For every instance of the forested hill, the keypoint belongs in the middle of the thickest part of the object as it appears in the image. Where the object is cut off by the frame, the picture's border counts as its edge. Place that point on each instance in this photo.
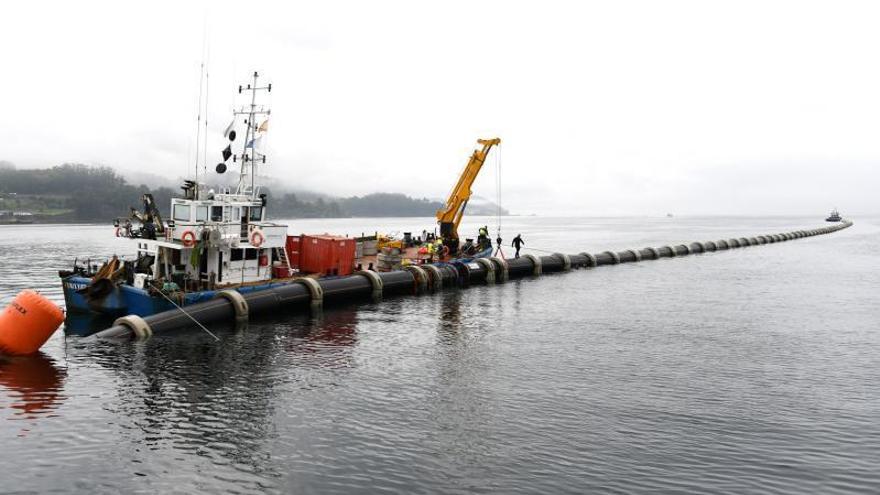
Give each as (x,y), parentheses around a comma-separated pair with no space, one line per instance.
(81,193)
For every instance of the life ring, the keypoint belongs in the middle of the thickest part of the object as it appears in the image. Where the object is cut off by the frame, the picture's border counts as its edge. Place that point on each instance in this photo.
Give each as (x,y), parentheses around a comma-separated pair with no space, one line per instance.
(257,238)
(188,238)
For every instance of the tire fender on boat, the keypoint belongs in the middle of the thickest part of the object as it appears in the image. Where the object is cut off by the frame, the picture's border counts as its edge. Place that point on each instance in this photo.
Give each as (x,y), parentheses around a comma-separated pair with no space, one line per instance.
(27,323)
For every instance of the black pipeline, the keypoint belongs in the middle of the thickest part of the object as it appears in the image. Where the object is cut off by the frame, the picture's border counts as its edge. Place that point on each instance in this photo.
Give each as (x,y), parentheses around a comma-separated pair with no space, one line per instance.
(230,305)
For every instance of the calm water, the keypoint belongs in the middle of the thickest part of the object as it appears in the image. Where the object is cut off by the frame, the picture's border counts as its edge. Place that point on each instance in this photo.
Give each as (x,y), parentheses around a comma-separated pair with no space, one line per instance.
(755,370)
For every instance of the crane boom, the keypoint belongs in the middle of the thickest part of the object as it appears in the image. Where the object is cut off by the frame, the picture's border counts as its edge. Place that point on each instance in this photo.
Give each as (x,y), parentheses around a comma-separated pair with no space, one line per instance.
(450,216)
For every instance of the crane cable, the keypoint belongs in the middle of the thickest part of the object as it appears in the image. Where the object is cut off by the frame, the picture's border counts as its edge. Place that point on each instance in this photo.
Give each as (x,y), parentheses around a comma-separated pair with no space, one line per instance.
(498,196)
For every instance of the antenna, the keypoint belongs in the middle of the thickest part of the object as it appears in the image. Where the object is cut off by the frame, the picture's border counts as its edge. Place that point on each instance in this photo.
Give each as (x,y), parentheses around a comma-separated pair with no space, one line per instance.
(199,118)
(249,160)
(205,155)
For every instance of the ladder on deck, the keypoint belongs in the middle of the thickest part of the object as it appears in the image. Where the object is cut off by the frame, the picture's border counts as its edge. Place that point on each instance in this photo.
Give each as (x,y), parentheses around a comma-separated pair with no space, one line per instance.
(281,254)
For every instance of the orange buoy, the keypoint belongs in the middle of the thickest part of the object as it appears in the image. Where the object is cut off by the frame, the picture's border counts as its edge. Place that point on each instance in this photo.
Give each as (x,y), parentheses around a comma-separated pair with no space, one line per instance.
(27,323)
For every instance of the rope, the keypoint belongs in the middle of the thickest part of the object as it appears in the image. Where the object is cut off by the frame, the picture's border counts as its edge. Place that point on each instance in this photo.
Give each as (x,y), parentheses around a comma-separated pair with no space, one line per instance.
(188,315)
(498,188)
(542,250)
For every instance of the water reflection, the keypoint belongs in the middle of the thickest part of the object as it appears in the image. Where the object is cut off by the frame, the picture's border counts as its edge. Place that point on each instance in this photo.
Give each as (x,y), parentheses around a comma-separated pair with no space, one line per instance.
(34,385)
(185,392)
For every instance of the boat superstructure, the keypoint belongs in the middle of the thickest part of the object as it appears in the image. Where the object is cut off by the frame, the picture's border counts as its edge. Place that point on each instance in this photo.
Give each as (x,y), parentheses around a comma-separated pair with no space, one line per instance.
(834,216)
(215,238)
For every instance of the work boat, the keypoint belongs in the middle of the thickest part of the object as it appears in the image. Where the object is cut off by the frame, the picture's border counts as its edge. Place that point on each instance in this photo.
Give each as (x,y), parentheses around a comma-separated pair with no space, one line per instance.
(215,239)
(834,216)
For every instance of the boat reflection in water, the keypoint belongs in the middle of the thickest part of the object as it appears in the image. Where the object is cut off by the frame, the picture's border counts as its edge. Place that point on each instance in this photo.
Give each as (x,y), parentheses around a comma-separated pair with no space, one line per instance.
(85,324)
(34,386)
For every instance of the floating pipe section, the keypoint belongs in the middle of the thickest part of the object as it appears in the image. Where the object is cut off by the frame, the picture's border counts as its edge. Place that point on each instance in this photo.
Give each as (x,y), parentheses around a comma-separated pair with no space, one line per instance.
(365,285)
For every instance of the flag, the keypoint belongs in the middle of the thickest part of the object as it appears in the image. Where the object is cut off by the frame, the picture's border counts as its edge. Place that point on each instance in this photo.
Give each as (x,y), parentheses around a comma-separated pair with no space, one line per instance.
(264,126)
(255,143)
(227,152)
(228,128)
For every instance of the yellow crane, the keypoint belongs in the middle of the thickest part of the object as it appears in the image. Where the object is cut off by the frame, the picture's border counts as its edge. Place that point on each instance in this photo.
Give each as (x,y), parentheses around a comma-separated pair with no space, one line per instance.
(450,216)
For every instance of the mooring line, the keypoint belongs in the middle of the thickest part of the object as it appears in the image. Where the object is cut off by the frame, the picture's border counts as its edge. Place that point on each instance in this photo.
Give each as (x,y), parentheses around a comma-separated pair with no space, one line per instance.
(188,315)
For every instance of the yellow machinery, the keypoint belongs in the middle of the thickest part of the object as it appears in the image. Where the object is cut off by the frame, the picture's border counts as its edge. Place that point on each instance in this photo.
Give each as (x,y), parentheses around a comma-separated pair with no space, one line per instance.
(450,216)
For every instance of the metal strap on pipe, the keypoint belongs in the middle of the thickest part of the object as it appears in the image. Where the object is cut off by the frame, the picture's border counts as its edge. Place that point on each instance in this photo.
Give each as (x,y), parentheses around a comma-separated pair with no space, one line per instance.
(136,324)
(654,253)
(375,281)
(436,282)
(699,245)
(500,270)
(566,261)
(614,257)
(489,266)
(420,276)
(637,256)
(536,263)
(687,249)
(722,244)
(591,260)
(239,305)
(316,292)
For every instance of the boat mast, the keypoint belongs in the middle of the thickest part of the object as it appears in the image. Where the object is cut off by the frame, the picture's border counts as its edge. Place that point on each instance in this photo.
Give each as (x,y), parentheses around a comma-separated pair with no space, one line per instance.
(249,161)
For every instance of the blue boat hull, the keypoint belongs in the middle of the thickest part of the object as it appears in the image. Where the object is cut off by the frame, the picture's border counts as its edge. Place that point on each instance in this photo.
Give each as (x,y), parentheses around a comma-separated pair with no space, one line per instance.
(128,300)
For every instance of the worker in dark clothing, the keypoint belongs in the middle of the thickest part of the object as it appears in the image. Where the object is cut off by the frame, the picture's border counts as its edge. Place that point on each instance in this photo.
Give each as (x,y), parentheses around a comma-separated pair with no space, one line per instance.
(517,243)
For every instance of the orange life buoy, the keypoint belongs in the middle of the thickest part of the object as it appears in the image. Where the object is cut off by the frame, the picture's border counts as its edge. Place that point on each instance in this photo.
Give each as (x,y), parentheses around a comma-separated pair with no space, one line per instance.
(27,323)
(188,238)
(257,238)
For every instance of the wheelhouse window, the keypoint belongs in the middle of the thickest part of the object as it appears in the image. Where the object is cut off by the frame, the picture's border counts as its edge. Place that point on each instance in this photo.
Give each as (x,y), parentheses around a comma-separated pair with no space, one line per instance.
(256,213)
(236,255)
(182,213)
(201,214)
(250,254)
(216,213)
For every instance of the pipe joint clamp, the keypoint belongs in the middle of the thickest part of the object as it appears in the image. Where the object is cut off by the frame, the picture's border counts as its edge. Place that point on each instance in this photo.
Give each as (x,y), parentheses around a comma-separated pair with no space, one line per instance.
(375,282)
(489,266)
(566,261)
(316,292)
(536,264)
(239,305)
(140,328)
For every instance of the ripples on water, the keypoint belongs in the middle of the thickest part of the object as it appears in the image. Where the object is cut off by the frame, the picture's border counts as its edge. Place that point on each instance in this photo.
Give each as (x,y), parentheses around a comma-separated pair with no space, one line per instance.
(753,370)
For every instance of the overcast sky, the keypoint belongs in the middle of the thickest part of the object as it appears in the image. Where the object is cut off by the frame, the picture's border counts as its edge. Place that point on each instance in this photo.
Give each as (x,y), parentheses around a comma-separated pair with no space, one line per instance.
(604,108)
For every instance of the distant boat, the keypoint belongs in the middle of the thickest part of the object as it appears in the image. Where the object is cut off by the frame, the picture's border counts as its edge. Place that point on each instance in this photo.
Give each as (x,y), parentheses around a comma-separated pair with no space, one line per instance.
(669,215)
(834,216)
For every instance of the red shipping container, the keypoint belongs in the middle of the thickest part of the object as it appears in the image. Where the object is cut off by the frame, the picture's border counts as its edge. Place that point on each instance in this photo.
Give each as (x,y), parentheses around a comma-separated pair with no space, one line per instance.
(327,255)
(294,245)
